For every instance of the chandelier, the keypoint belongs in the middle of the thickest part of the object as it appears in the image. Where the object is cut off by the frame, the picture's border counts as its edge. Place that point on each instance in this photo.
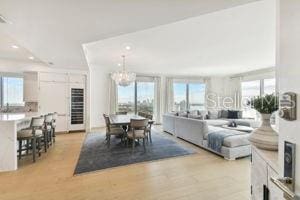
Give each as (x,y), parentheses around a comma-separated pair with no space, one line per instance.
(123,77)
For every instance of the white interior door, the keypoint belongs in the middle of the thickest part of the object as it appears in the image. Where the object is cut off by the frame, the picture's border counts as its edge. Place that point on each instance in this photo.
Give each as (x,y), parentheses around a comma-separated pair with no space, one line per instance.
(53,97)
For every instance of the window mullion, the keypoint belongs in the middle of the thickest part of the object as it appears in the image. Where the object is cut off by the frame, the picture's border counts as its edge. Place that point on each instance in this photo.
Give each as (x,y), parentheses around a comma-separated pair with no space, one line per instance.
(187,97)
(1,88)
(135,97)
(262,87)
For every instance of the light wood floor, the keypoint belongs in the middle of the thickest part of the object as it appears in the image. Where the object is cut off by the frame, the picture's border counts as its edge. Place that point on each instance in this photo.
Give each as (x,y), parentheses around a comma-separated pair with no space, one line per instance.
(196,177)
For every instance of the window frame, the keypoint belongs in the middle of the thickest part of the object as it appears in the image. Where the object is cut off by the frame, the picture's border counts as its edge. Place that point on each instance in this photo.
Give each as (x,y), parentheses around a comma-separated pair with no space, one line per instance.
(2,90)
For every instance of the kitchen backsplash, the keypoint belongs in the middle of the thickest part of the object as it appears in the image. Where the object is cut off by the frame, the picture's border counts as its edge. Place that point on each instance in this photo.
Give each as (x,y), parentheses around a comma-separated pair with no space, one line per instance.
(28,107)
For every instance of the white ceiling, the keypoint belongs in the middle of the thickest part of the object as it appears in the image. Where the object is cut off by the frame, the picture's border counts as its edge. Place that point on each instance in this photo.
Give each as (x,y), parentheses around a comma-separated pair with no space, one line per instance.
(8,52)
(226,42)
(54,30)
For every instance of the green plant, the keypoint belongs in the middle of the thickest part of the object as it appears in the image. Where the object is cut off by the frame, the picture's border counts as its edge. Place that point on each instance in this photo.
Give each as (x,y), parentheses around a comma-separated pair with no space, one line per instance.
(265,104)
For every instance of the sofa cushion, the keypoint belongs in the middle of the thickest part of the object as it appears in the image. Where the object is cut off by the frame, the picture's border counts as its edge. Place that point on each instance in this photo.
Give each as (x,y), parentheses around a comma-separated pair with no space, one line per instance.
(217,122)
(193,112)
(241,139)
(200,117)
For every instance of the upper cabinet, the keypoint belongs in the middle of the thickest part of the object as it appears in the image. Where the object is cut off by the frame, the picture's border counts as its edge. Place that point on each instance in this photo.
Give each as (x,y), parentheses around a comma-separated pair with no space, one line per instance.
(54,77)
(76,78)
(31,87)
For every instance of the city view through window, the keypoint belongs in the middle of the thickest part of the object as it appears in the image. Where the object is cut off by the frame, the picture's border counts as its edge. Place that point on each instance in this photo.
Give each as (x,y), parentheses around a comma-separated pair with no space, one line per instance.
(189,96)
(137,97)
(251,89)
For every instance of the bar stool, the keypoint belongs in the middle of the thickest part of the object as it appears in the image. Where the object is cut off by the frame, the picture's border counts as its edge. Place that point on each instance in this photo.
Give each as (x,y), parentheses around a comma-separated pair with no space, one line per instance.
(32,136)
(54,118)
(48,128)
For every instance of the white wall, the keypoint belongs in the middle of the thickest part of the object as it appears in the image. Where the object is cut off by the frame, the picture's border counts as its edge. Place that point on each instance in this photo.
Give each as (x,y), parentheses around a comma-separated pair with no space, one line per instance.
(99,91)
(224,91)
(288,73)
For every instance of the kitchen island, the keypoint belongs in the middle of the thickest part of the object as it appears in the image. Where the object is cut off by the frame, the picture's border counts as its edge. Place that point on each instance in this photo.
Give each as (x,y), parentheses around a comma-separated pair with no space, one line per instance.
(10,123)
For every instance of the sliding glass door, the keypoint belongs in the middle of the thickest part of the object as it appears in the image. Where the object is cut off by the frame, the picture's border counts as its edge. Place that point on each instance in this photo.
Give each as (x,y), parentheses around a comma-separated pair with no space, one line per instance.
(145,97)
(180,96)
(126,99)
(138,97)
(196,96)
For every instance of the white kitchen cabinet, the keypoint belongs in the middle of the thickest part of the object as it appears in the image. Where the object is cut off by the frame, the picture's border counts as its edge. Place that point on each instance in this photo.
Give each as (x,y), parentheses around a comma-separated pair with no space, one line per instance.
(31,87)
(53,77)
(76,78)
(275,193)
(53,98)
(264,165)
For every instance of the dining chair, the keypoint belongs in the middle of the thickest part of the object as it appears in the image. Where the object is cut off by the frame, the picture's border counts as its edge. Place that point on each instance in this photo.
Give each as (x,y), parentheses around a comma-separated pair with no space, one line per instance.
(48,128)
(33,136)
(53,124)
(149,127)
(138,131)
(142,114)
(112,130)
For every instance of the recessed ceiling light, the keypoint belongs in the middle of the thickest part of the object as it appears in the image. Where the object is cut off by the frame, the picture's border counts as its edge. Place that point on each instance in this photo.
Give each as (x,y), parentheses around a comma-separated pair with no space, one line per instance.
(119,64)
(31,57)
(15,46)
(127,47)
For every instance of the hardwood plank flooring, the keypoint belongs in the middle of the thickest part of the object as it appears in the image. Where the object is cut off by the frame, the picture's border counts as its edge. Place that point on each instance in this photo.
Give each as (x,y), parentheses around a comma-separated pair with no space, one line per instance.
(195,177)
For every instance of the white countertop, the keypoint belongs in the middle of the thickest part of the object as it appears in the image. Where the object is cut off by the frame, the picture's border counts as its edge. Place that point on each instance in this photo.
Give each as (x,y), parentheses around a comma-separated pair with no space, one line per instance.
(17,116)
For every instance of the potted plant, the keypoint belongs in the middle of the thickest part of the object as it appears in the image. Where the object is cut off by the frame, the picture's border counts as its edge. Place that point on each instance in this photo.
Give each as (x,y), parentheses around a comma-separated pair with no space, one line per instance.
(265,137)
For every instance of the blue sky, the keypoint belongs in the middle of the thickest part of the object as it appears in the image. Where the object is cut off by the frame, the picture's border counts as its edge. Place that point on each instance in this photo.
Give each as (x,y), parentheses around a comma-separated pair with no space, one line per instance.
(196,92)
(146,91)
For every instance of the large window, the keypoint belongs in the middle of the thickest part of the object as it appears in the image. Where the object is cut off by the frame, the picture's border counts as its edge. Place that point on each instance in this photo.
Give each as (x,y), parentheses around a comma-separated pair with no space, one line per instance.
(251,89)
(126,99)
(11,91)
(145,97)
(196,96)
(269,86)
(180,96)
(188,96)
(138,97)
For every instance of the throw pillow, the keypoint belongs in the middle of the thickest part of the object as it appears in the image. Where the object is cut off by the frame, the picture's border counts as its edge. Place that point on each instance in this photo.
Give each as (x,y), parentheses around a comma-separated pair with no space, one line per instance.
(203,113)
(240,114)
(224,114)
(213,114)
(232,114)
(193,112)
(183,114)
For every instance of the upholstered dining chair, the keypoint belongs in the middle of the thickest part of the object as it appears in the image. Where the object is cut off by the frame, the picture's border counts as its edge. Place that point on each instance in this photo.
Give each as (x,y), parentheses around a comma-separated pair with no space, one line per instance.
(142,114)
(112,130)
(149,127)
(33,136)
(138,131)
(48,128)
(53,124)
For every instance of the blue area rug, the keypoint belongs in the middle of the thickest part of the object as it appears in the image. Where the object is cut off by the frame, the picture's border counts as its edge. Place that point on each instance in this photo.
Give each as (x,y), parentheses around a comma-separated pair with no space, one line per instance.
(95,155)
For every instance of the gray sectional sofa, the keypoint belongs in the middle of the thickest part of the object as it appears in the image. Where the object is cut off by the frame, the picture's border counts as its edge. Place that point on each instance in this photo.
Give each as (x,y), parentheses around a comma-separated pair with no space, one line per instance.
(197,131)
